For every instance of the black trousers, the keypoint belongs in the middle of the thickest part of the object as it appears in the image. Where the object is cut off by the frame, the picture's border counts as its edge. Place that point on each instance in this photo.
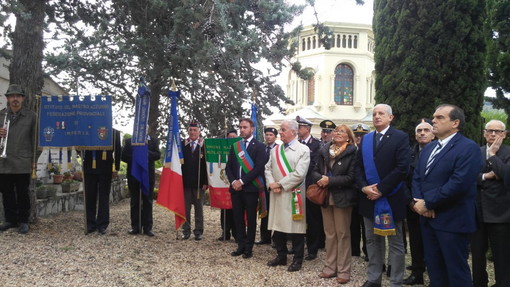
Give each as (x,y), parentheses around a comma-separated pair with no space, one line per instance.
(97,193)
(245,203)
(315,237)
(145,214)
(15,197)
(227,223)
(415,241)
(298,245)
(497,235)
(358,233)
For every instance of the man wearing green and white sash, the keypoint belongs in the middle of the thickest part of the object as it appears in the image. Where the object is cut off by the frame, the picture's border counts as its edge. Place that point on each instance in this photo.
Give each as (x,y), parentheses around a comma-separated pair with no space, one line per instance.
(285,175)
(245,172)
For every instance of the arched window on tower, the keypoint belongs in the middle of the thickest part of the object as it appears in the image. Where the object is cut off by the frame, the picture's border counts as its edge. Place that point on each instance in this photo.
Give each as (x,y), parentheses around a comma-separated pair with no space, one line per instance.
(303,47)
(310,91)
(308,43)
(344,88)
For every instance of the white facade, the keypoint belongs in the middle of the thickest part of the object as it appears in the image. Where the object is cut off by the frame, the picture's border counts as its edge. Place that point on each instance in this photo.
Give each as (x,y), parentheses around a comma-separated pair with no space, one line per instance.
(315,98)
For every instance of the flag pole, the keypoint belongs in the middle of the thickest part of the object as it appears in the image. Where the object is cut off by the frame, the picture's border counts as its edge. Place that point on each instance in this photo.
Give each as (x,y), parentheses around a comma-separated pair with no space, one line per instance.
(173,88)
(224,211)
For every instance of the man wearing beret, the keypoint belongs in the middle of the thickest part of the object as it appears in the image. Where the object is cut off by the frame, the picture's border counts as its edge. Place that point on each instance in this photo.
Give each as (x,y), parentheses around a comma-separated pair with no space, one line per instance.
(194,176)
(315,237)
(265,234)
(17,126)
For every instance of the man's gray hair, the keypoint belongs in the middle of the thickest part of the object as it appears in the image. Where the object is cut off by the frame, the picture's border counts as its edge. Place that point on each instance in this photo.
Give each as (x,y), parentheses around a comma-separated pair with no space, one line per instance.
(495,121)
(387,107)
(292,124)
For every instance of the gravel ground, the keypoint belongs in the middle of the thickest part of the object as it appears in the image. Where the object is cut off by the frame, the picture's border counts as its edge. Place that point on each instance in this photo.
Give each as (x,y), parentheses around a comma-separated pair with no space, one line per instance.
(57,253)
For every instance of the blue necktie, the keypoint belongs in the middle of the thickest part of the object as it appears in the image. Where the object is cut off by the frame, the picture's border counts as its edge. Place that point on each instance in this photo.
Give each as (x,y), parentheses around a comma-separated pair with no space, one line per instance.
(378,137)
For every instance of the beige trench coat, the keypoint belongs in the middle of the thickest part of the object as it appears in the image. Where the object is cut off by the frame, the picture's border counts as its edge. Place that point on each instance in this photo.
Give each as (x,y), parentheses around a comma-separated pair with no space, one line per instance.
(280,209)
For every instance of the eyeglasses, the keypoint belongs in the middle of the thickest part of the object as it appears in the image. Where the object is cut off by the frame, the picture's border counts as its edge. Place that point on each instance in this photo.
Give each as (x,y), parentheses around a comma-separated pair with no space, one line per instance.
(498,132)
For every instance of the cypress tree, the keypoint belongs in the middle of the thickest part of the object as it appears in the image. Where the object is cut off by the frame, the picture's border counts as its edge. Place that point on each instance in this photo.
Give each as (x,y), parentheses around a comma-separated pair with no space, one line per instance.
(429,53)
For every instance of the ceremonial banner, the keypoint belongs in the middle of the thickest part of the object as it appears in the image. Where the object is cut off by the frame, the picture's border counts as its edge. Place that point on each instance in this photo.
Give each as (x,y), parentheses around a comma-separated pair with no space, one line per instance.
(254,118)
(216,155)
(171,189)
(83,122)
(140,161)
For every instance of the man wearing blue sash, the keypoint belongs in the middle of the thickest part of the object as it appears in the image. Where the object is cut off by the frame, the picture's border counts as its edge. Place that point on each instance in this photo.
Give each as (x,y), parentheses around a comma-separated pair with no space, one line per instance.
(383,164)
(245,171)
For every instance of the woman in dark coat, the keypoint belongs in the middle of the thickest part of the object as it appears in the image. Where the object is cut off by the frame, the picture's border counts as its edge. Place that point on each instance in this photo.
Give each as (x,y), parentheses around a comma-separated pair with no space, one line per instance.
(335,170)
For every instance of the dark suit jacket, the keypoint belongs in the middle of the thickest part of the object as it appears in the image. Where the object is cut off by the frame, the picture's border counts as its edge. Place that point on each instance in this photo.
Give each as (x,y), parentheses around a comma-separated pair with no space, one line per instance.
(493,199)
(190,166)
(341,182)
(315,146)
(450,186)
(257,152)
(104,166)
(154,155)
(392,158)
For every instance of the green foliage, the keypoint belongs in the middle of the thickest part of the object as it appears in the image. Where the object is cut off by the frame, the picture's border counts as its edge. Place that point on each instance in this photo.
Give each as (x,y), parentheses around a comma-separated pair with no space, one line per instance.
(210,48)
(498,56)
(492,114)
(429,53)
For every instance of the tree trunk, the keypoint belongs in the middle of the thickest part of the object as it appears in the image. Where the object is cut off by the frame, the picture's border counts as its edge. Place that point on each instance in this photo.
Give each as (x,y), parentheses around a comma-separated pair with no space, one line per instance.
(26,65)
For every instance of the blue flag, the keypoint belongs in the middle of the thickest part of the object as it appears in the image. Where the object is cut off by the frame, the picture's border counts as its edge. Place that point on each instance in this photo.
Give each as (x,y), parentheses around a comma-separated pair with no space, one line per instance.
(140,148)
(254,118)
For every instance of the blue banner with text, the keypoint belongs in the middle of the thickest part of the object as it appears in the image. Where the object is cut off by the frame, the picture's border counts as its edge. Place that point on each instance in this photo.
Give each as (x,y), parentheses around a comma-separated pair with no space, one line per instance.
(83,122)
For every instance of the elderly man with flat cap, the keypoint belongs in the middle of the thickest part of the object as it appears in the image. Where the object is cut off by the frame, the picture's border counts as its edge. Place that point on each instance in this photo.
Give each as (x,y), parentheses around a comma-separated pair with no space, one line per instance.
(17,127)
(315,237)
(265,234)
(326,133)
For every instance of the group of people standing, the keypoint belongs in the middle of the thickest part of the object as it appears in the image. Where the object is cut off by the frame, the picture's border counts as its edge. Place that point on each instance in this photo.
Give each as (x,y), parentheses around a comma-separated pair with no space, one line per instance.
(453,193)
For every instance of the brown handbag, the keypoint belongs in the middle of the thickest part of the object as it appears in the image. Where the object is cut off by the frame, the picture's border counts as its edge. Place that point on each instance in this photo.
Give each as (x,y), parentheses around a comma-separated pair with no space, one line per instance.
(317,194)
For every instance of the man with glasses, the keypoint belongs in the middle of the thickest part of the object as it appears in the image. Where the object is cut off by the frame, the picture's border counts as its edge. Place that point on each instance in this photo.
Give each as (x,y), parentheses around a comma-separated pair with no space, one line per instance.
(493,214)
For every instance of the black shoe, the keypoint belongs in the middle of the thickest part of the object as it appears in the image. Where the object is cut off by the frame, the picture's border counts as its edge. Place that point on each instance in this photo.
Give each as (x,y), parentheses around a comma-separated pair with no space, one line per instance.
(370,284)
(247,254)
(414,279)
(149,233)
(310,257)
(410,268)
(226,238)
(295,266)
(23,228)
(277,261)
(198,237)
(238,252)
(6,226)
(134,231)
(185,236)
(101,231)
(262,242)
(90,230)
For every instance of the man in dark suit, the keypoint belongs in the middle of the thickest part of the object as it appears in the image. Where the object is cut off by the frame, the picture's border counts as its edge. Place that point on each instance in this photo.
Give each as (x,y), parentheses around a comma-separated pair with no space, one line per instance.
(444,191)
(194,177)
(99,167)
(423,135)
(245,172)
(493,212)
(315,237)
(270,142)
(135,191)
(383,164)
